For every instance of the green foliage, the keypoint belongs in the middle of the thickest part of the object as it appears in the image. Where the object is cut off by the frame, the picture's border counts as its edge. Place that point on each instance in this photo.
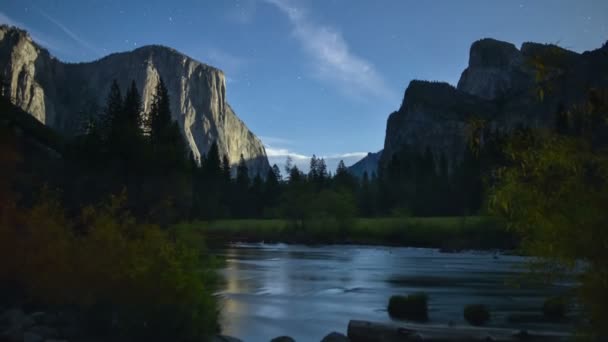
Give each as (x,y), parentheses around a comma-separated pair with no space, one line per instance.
(126,279)
(476,314)
(555,308)
(413,307)
(458,233)
(554,194)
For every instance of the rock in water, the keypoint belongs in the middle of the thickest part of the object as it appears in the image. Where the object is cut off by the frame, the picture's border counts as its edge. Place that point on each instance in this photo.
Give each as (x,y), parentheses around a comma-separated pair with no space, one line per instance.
(63,95)
(283,339)
(335,337)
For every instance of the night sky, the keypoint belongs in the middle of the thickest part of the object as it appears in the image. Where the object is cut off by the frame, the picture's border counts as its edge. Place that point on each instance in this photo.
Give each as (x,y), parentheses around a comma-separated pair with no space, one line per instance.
(311,76)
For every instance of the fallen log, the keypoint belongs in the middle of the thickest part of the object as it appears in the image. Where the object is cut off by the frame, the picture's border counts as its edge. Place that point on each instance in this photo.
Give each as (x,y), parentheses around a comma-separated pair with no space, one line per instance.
(363,331)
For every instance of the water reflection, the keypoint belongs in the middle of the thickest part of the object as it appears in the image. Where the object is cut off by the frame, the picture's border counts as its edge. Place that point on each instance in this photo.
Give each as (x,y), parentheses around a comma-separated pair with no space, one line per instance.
(307,292)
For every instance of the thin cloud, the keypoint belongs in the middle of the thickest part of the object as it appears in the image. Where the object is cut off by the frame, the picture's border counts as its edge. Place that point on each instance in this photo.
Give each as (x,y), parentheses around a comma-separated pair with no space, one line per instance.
(73,35)
(242,12)
(333,60)
(36,36)
(273,141)
(284,153)
(224,60)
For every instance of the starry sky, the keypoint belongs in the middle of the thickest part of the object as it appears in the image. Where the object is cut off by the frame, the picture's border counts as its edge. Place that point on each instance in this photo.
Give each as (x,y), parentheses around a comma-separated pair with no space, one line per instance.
(311,76)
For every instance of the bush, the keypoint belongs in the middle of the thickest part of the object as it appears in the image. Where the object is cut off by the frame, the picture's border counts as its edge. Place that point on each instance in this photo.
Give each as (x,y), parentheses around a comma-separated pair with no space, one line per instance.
(554,308)
(476,314)
(413,307)
(126,280)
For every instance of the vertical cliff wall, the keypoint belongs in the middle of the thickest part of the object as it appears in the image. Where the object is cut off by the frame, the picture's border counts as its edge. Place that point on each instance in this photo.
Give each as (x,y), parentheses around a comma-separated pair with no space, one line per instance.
(60,95)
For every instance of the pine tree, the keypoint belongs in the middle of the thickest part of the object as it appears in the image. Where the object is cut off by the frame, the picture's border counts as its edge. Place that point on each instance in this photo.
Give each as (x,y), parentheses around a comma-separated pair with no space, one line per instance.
(159,118)
(242,175)
(132,109)
(113,113)
(277,172)
(226,169)
(213,166)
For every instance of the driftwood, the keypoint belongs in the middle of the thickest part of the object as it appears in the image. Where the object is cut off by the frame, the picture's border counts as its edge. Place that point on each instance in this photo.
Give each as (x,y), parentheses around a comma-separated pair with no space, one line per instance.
(362,331)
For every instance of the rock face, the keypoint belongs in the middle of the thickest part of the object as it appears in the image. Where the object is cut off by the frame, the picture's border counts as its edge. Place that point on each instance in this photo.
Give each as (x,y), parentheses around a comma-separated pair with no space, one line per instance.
(502,88)
(368,164)
(61,95)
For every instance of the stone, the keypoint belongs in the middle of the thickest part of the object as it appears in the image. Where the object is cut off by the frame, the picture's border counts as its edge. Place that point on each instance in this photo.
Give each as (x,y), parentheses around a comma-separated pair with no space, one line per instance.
(224,338)
(32,337)
(16,318)
(44,331)
(335,337)
(55,92)
(38,317)
(283,339)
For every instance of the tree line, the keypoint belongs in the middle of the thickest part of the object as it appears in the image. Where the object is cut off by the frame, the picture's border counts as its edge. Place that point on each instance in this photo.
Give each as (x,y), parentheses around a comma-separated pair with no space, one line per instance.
(144,154)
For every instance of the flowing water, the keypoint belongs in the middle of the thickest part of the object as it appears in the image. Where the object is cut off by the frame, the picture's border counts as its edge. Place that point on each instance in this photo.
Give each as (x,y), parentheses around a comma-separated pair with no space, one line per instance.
(306,292)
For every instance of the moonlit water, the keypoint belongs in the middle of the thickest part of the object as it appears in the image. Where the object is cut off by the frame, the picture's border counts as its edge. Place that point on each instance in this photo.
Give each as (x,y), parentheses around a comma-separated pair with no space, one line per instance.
(306,292)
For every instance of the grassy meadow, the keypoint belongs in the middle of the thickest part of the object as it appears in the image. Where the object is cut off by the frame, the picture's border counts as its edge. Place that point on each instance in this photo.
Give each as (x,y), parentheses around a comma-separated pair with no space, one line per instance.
(448,233)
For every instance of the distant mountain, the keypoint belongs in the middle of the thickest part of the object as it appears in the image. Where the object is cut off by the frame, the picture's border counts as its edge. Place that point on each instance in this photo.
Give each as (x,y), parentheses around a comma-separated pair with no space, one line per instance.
(62,95)
(368,164)
(503,87)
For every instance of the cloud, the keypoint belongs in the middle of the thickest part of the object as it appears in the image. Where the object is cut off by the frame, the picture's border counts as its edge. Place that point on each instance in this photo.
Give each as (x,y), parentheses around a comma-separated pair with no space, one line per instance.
(36,36)
(224,60)
(333,60)
(74,36)
(242,11)
(284,153)
(278,155)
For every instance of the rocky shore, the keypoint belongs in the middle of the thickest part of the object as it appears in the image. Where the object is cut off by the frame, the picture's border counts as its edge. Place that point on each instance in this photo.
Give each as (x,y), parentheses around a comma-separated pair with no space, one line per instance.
(19,326)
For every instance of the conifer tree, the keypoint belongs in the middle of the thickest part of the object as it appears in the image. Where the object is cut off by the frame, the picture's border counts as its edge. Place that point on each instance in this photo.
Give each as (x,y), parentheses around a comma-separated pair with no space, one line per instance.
(242,175)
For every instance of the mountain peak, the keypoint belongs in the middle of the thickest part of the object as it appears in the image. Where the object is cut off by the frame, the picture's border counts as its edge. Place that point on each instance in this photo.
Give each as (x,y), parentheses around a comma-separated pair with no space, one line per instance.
(58,94)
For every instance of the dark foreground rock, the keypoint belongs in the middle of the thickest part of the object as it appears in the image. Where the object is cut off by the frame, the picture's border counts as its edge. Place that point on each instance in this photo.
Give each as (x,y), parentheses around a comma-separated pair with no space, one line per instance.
(335,337)
(283,339)
(18,326)
(362,331)
(224,338)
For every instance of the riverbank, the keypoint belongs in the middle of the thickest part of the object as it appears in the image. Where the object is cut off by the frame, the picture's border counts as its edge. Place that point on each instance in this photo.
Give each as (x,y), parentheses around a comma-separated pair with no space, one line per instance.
(446,233)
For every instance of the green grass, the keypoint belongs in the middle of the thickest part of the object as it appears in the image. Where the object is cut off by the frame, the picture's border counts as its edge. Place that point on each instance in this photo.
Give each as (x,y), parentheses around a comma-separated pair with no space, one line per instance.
(449,233)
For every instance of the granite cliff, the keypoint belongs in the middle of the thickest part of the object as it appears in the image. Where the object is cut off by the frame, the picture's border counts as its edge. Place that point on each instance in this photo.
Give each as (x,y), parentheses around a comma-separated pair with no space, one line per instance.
(501,87)
(368,164)
(60,95)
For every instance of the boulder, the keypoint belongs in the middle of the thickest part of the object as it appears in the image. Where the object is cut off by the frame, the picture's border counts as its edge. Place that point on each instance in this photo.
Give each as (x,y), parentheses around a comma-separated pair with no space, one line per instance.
(224,338)
(47,332)
(39,317)
(16,318)
(476,314)
(32,337)
(335,337)
(413,307)
(283,339)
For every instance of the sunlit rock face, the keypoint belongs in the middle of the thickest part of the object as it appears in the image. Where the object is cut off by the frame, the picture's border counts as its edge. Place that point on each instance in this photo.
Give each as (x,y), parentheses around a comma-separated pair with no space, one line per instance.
(63,95)
(502,88)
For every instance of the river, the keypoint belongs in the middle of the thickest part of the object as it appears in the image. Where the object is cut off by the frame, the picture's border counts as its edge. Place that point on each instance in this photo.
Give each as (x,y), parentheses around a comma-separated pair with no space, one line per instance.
(308,291)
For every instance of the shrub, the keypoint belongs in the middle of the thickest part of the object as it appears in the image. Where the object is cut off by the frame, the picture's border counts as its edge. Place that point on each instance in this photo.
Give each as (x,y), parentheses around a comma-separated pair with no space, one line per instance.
(127,280)
(413,307)
(554,308)
(476,314)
